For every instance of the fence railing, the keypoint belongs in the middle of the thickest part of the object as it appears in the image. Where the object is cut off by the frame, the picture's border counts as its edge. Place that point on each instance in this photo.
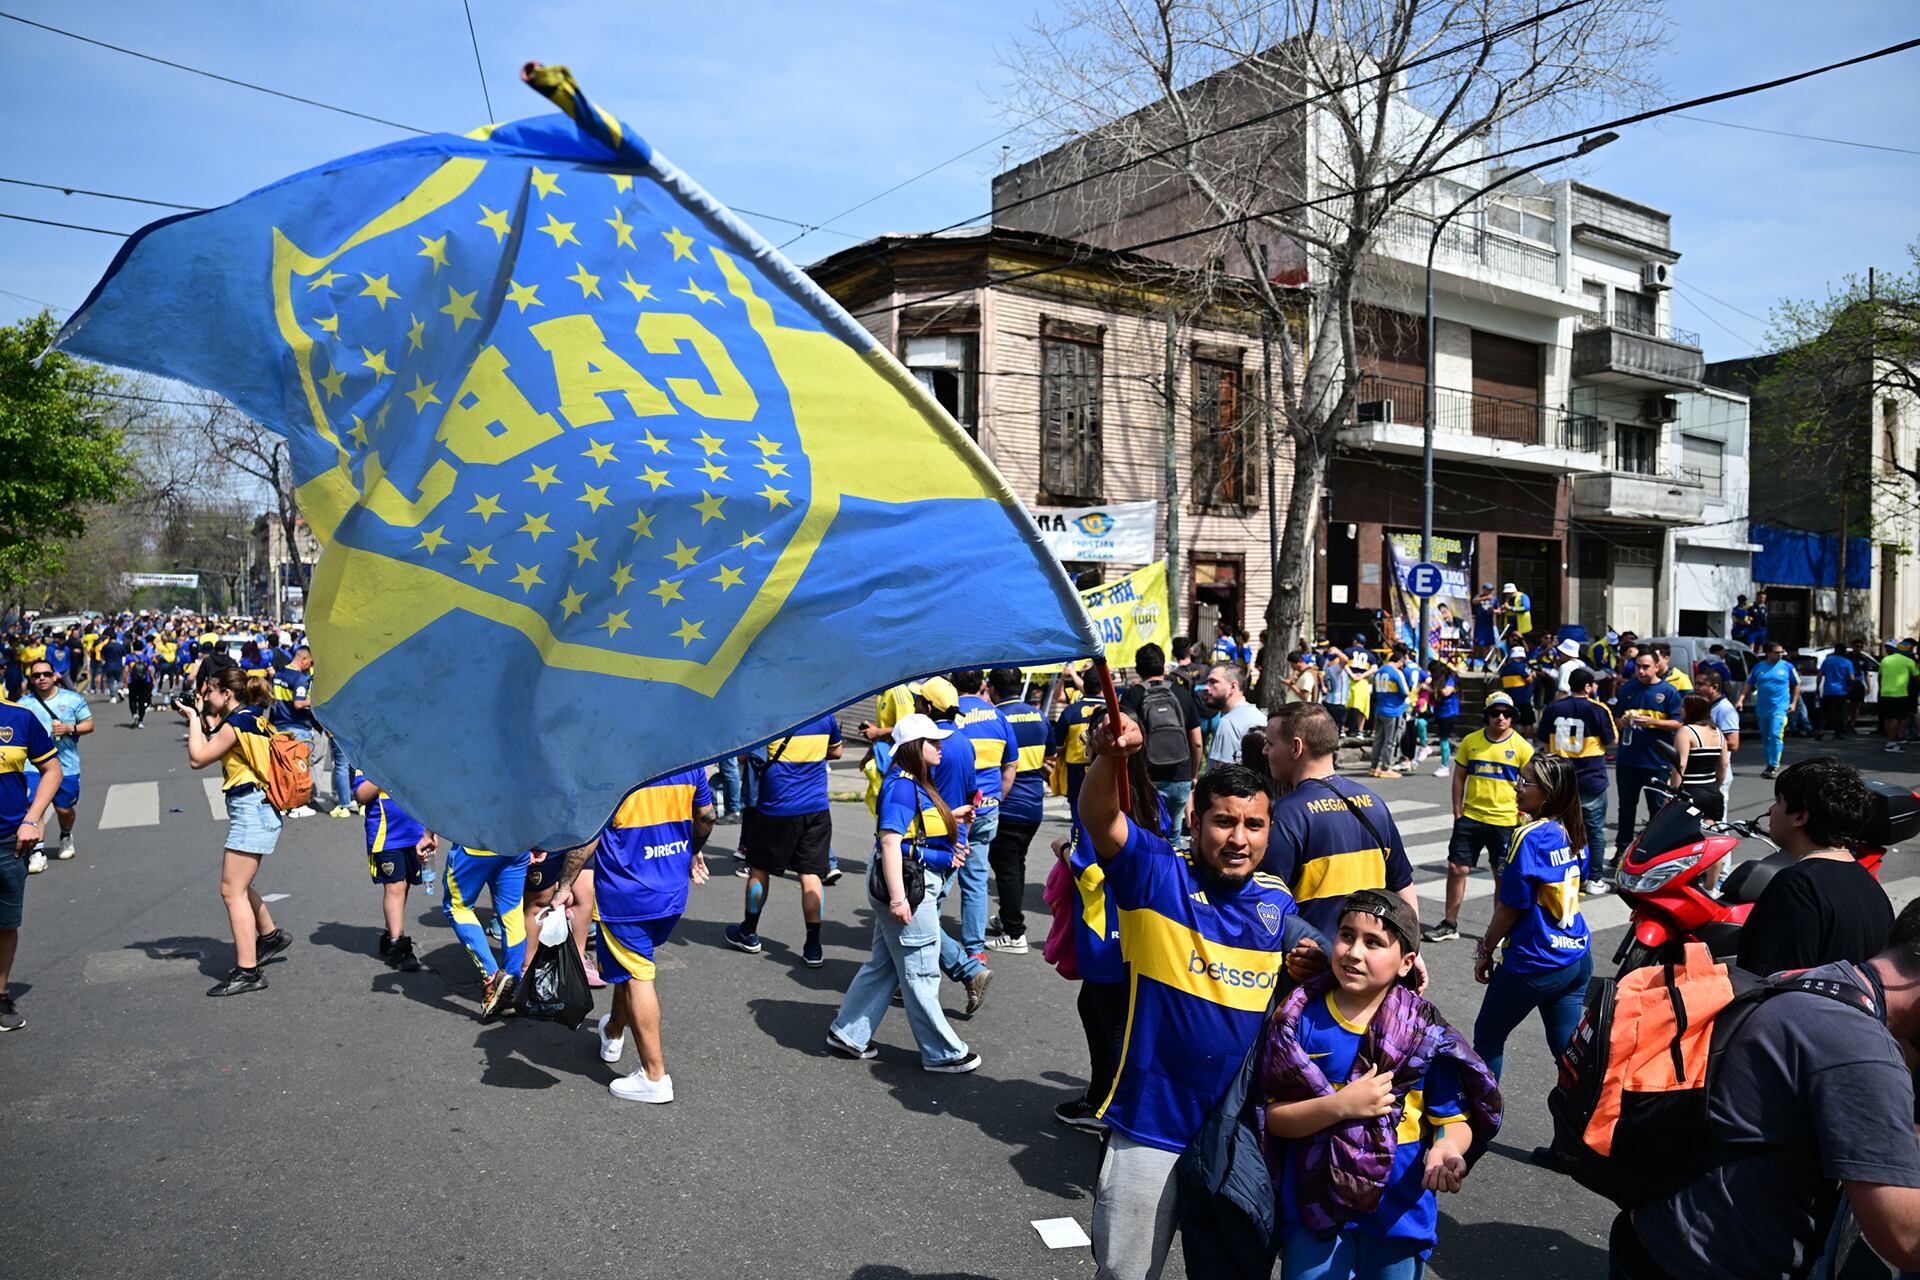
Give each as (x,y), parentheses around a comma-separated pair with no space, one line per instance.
(1635,322)
(1471,413)
(1463,239)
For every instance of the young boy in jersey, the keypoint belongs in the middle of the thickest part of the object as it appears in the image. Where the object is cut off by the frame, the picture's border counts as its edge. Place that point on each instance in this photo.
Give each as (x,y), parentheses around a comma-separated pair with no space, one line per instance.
(397,850)
(1373,1104)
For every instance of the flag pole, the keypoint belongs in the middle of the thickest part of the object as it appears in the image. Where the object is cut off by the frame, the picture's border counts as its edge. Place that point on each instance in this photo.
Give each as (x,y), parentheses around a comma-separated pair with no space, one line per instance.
(1113,719)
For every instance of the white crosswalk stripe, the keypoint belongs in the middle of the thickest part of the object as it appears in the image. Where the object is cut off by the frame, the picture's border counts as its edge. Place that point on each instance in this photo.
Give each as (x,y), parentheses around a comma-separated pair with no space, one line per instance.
(1422,826)
(131,804)
(216,800)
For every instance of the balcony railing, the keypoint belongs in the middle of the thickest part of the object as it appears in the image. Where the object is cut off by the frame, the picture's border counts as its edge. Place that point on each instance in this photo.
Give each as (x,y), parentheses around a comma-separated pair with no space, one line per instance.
(1463,240)
(1488,417)
(1635,322)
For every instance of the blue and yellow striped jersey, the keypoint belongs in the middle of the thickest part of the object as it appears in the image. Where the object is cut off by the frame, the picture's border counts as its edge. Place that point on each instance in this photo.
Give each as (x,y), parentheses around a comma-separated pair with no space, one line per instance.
(249,761)
(645,860)
(1492,769)
(1027,801)
(1203,967)
(388,825)
(795,781)
(994,745)
(1542,878)
(1320,848)
(23,741)
(907,810)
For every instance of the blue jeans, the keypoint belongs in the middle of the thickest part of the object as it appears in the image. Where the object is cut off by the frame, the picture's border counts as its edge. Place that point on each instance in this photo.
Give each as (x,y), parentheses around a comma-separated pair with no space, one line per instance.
(730,800)
(961,960)
(1175,796)
(908,957)
(1346,1254)
(342,772)
(1558,994)
(1593,811)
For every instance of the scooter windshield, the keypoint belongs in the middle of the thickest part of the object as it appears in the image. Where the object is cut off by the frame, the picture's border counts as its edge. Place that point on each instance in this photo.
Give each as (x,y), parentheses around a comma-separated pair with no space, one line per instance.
(1675,826)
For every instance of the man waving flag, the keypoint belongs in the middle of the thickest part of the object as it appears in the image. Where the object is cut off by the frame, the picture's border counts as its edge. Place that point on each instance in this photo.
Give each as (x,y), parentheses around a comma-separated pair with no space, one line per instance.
(605,485)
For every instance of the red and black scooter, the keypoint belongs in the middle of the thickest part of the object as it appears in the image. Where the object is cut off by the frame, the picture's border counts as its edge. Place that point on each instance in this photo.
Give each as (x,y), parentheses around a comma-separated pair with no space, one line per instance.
(1662,872)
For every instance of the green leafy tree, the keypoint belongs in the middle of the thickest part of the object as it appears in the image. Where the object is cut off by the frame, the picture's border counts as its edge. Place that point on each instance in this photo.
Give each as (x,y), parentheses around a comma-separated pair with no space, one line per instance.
(60,453)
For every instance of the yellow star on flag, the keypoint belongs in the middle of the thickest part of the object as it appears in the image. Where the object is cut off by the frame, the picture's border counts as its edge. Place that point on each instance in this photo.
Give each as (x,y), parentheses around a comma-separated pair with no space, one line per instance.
(727,578)
(562,232)
(588,282)
(622,181)
(709,507)
(582,548)
(688,632)
(622,229)
(776,498)
(622,578)
(529,576)
(655,443)
(376,361)
(712,470)
(378,289)
(422,394)
(682,555)
(416,333)
(533,526)
(323,281)
(668,591)
(764,445)
(542,476)
(380,418)
(331,324)
(431,540)
(522,295)
(642,525)
(771,467)
(598,452)
(484,507)
(434,249)
(359,432)
(460,307)
(333,382)
(570,603)
(479,557)
(615,624)
(695,291)
(640,292)
(749,540)
(548,184)
(657,479)
(682,244)
(710,443)
(496,222)
(595,497)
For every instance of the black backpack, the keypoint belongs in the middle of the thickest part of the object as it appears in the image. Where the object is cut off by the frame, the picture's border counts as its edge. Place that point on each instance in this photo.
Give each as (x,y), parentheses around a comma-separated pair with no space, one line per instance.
(1163,721)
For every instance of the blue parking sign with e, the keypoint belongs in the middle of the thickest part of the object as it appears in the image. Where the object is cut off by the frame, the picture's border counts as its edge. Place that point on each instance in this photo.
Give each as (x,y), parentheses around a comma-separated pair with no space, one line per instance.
(1423,579)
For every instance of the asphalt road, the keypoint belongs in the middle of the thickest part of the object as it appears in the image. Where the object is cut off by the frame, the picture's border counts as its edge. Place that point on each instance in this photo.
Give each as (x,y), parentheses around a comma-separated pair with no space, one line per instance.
(353,1121)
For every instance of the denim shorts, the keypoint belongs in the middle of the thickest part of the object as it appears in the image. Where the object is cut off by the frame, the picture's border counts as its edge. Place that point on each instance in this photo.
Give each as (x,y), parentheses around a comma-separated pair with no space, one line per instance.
(13,885)
(252,824)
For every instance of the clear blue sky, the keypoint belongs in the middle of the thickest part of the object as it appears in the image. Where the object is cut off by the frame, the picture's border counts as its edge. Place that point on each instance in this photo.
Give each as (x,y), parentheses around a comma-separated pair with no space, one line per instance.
(799,111)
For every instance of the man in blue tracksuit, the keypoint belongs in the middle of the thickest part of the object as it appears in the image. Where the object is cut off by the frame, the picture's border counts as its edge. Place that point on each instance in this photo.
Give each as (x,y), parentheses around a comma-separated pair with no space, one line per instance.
(1647,710)
(1775,687)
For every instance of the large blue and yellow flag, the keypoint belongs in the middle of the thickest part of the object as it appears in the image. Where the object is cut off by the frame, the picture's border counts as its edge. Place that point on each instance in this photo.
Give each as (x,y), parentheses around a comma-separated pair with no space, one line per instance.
(606,486)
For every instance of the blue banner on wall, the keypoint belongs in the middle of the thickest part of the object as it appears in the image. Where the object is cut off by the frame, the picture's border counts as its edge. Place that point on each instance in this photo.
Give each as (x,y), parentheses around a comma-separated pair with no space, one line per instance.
(1791,558)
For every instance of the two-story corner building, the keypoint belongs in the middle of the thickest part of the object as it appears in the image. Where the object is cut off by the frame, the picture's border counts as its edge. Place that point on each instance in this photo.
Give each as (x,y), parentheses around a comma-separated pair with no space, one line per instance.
(1060,378)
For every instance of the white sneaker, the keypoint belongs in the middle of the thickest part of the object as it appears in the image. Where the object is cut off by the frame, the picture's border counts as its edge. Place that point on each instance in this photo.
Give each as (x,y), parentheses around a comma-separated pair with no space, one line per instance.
(610,1047)
(637,1088)
(1891,746)
(1012,946)
(1442,772)
(304,811)
(66,849)
(36,862)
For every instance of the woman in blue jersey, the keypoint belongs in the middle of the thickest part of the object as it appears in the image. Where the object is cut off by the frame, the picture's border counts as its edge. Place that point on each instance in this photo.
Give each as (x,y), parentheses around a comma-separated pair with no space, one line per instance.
(916,824)
(1549,949)
(230,726)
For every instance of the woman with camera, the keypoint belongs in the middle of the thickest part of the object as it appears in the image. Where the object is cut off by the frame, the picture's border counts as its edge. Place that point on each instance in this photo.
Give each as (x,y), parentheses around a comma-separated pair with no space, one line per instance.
(229,725)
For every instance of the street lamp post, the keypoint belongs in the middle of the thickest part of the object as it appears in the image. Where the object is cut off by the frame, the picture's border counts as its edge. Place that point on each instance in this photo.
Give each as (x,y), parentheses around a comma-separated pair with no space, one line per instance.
(1426,434)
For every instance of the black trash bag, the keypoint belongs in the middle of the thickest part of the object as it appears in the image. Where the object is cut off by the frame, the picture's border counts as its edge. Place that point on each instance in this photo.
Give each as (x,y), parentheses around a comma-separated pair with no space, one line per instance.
(555,986)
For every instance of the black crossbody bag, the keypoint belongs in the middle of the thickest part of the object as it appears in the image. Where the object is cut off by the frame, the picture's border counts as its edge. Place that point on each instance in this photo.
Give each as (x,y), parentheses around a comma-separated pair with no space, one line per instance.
(913,868)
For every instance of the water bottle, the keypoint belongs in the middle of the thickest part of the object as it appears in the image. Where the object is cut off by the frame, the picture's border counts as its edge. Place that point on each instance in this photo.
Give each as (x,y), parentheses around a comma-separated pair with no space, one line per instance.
(427,878)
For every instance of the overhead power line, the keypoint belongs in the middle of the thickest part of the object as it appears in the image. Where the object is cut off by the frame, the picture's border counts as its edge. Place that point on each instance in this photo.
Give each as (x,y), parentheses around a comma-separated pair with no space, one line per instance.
(103,195)
(485,95)
(213,75)
(1806,137)
(1638,117)
(70,226)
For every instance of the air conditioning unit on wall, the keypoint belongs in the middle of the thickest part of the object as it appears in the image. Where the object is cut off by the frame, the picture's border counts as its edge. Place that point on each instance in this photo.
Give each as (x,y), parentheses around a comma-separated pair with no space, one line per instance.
(1656,275)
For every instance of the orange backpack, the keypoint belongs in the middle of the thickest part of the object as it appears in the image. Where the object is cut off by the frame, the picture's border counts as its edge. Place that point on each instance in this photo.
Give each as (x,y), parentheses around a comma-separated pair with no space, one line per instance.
(289,774)
(1630,1111)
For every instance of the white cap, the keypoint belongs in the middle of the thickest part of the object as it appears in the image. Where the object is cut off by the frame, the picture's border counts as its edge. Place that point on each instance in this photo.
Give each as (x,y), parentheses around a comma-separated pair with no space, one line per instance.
(1570,647)
(916,728)
(1509,587)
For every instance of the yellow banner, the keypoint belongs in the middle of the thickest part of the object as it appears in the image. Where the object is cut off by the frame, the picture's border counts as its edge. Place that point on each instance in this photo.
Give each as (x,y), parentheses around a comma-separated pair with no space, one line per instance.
(1127,613)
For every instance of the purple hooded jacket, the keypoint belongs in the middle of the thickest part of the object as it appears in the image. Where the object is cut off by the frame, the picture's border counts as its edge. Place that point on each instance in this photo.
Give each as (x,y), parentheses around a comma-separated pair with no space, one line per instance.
(1342,1171)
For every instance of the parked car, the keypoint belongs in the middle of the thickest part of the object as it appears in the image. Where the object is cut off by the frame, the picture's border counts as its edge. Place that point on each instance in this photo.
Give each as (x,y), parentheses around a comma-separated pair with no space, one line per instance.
(1690,651)
(1808,664)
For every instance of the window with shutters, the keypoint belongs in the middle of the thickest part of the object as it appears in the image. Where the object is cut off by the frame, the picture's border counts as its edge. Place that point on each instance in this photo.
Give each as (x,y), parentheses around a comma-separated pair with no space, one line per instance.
(1223,455)
(1636,448)
(1704,461)
(1070,398)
